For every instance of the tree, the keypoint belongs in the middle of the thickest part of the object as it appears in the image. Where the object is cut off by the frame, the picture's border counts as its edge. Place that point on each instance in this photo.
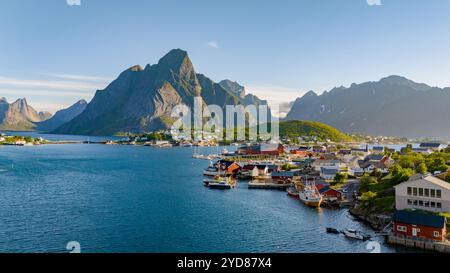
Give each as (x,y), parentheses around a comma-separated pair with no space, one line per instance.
(367,182)
(400,174)
(367,196)
(376,173)
(422,168)
(406,161)
(438,164)
(340,178)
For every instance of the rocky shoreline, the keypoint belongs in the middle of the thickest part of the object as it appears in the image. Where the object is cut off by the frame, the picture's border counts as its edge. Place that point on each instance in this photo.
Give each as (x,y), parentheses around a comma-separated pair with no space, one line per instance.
(376,221)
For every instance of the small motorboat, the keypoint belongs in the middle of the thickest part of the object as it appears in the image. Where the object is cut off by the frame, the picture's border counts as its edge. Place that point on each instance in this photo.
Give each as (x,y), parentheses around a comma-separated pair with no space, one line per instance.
(357,235)
(293,192)
(223,183)
(333,231)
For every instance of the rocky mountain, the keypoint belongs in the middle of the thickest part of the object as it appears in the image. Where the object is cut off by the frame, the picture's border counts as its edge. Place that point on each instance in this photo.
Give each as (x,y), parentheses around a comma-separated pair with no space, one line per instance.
(233,87)
(19,116)
(61,117)
(142,99)
(393,106)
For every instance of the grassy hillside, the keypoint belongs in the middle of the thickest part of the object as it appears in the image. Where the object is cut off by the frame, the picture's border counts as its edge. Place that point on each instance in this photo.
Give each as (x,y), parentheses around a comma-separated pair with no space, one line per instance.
(297,128)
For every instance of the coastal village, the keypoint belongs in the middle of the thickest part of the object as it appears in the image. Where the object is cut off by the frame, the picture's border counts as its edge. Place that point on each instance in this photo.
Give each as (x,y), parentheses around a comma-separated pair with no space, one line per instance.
(403,193)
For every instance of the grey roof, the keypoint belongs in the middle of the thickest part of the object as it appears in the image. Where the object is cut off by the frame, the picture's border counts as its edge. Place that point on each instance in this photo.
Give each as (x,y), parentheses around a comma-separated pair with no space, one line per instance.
(374,157)
(430,145)
(419,218)
(428,178)
(328,171)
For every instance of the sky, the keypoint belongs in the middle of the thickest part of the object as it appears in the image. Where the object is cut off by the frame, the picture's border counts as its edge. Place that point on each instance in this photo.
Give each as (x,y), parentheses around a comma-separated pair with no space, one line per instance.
(54,54)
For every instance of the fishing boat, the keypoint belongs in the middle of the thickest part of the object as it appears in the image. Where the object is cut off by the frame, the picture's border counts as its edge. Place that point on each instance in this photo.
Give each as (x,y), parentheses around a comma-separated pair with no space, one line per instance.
(309,195)
(293,192)
(211,170)
(357,235)
(222,183)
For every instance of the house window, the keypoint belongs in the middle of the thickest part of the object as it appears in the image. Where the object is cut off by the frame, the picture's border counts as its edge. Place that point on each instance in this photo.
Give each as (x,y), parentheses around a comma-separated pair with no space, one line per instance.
(402,228)
(415,202)
(439,205)
(427,204)
(433,204)
(438,193)
(436,234)
(421,203)
(409,191)
(433,193)
(420,192)
(410,202)
(427,192)
(415,191)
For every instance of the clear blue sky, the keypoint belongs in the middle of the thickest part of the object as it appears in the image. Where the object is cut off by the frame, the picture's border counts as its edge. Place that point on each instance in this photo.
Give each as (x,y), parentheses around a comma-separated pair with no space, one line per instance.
(54,54)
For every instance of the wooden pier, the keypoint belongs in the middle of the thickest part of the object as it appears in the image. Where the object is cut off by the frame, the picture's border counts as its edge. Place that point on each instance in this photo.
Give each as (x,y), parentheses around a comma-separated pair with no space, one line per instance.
(267,186)
(442,247)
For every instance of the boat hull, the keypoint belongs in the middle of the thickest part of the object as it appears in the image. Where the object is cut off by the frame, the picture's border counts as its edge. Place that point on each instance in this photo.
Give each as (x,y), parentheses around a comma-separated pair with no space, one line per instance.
(314,203)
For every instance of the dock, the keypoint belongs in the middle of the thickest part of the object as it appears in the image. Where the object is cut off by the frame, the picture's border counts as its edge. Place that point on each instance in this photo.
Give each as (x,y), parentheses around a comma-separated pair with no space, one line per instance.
(267,186)
(418,243)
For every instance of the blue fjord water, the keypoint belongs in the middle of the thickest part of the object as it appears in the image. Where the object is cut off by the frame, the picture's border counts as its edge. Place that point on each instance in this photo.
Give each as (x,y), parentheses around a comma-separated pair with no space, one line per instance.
(141,199)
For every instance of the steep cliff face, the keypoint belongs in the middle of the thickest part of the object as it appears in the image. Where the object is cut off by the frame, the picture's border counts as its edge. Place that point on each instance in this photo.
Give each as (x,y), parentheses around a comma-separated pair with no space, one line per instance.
(393,106)
(61,117)
(19,116)
(141,100)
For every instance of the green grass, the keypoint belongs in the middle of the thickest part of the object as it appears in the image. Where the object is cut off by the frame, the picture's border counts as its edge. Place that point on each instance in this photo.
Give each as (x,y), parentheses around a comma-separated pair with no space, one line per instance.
(298,128)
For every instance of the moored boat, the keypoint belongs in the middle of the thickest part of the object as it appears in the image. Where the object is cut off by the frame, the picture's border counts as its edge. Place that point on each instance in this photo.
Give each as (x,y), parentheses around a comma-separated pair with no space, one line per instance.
(293,192)
(211,171)
(357,235)
(333,230)
(218,182)
(310,196)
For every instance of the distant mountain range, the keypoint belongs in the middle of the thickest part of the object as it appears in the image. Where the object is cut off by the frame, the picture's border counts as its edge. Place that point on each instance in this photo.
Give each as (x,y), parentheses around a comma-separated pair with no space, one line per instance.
(142,99)
(61,117)
(19,116)
(393,106)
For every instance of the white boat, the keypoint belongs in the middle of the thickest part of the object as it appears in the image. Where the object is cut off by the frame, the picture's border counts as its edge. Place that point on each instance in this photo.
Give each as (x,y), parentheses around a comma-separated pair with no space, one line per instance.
(310,196)
(353,234)
(211,170)
(223,183)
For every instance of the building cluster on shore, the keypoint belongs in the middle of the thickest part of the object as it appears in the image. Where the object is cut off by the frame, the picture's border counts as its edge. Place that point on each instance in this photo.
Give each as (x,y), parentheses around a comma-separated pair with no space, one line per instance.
(20,140)
(329,175)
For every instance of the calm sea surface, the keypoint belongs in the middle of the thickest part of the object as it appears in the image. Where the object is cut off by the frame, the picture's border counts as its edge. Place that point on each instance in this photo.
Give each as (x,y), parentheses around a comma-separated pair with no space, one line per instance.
(141,199)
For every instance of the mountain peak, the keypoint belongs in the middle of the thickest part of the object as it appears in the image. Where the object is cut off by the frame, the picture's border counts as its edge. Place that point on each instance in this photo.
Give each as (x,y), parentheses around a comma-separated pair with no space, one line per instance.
(233,87)
(310,93)
(399,80)
(395,79)
(174,59)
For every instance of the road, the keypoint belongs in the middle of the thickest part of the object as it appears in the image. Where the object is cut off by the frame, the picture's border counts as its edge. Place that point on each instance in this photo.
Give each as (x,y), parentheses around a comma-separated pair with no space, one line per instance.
(351,186)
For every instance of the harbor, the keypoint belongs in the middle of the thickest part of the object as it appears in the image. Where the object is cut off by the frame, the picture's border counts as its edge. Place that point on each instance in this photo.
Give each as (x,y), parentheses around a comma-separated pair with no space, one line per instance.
(320,177)
(158,193)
